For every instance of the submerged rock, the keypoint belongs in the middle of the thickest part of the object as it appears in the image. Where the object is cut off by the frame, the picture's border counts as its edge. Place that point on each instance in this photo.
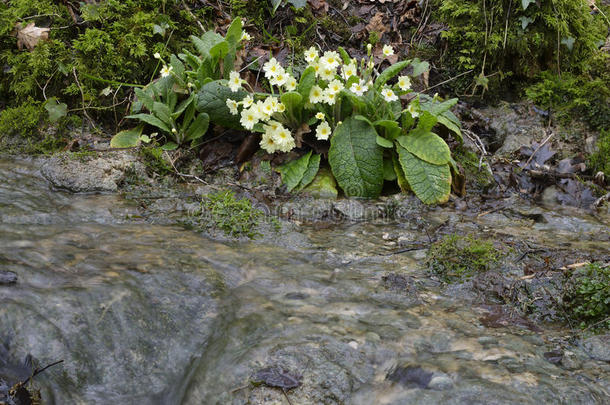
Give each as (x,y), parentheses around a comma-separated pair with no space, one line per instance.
(7,277)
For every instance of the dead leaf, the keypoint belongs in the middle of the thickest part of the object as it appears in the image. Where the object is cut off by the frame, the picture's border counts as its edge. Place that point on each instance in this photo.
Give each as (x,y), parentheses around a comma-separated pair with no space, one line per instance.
(318,5)
(376,24)
(298,134)
(30,35)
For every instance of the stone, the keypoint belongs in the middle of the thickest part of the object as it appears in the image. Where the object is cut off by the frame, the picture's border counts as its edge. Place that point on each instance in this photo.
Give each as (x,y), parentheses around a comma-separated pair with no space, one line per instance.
(440,382)
(7,277)
(598,347)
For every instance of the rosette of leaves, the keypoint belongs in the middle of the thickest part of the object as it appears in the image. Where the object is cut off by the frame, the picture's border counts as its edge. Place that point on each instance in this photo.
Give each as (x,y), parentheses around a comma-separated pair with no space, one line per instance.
(182,104)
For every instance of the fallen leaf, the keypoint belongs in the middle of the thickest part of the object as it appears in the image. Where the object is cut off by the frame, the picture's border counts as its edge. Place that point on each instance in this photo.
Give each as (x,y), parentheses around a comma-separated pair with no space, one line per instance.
(376,24)
(278,377)
(318,5)
(30,35)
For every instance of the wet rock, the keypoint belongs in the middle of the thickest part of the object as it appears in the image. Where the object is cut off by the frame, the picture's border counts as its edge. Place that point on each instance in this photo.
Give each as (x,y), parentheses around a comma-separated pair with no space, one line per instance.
(440,382)
(400,283)
(554,356)
(549,195)
(570,361)
(411,376)
(7,277)
(277,377)
(598,347)
(102,172)
(351,209)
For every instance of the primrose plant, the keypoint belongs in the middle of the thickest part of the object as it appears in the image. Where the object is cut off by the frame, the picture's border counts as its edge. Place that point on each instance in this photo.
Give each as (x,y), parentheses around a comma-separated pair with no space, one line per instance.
(182,102)
(348,103)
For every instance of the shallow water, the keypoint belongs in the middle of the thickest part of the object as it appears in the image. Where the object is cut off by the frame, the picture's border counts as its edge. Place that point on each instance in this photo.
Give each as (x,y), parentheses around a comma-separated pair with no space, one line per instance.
(144,313)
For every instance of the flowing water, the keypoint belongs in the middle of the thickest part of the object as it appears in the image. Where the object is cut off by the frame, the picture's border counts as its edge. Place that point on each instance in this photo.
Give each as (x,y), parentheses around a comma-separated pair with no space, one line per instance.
(143,313)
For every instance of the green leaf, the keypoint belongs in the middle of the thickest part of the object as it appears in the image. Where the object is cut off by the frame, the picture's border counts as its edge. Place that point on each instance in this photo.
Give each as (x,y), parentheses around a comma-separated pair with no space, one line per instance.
(183,105)
(390,72)
(391,128)
(292,100)
(274,5)
(212,99)
(323,186)
(569,42)
(198,128)
(525,21)
(127,138)
(436,108)
(312,169)
(294,171)
(145,98)
(419,67)
(152,120)
(430,183)
(206,42)
(234,32)
(220,50)
(452,126)
(526,3)
(384,143)
(426,121)
(55,109)
(308,78)
(388,170)
(400,174)
(169,146)
(162,111)
(177,66)
(298,4)
(427,146)
(355,159)
(344,55)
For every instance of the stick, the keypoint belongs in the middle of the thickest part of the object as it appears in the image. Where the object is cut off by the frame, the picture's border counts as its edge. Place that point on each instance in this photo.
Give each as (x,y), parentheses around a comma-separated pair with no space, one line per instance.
(538,148)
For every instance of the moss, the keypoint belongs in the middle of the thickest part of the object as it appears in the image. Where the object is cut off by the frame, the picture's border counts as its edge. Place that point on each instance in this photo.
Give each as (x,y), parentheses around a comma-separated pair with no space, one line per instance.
(456,258)
(154,161)
(509,43)
(600,160)
(587,296)
(22,120)
(235,217)
(480,178)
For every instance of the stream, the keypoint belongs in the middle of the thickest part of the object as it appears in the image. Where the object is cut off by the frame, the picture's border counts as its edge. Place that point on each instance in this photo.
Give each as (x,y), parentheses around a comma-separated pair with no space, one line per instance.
(143,312)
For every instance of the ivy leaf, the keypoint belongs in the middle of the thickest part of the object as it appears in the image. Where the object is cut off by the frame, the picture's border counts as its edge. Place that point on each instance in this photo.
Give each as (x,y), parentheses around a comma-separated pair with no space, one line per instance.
(30,35)
(390,72)
(212,99)
(312,169)
(355,159)
(419,67)
(430,183)
(569,42)
(525,21)
(55,109)
(427,146)
(294,171)
(127,138)
(526,3)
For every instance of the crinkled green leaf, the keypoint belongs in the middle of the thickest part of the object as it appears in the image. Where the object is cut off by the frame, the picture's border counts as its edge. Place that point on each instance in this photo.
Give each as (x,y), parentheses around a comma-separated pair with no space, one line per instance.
(152,120)
(206,42)
(390,72)
(388,170)
(145,98)
(177,65)
(294,171)
(127,138)
(312,169)
(427,146)
(430,183)
(162,111)
(169,146)
(291,100)
(451,125)
(198,128)
(183,106)
(344,55)
(426,122)
(400,174)
(212,99)
(390,127)
(436,108)
(355,159)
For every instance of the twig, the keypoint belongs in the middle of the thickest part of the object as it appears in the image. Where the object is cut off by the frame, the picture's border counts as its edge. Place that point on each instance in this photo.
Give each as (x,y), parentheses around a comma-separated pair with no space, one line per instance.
(40,370)
(82,94)
(448,80)
(286,395)
(188,10)
(537,149)
(190,176)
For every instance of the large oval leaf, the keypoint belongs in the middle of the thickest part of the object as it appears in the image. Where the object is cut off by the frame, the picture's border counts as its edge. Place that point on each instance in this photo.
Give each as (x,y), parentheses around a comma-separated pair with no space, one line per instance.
(312,169)
(294,171)
(212,99)
(390,73)
(427,146)
(430,183)
(127,138)
(355,159)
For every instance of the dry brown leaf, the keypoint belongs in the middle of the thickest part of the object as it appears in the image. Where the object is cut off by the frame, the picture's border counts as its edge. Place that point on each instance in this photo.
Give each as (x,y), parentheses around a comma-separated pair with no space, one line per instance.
(319,5)
(376,24)
(30,35)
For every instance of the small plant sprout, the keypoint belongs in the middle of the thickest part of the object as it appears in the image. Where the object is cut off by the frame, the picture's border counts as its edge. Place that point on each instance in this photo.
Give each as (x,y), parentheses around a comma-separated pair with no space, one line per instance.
(234,81)
(389,95)
(387,51)
(166,71)
(404,82)
(323,131)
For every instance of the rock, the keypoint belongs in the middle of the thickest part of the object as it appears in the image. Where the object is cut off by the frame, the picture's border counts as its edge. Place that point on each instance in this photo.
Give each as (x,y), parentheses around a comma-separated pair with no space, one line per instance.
(570,361)
(7,277)
(411,376)
(549,195)
(102,172)
(598,347)
(351,209)
(440,382)
(591,145)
